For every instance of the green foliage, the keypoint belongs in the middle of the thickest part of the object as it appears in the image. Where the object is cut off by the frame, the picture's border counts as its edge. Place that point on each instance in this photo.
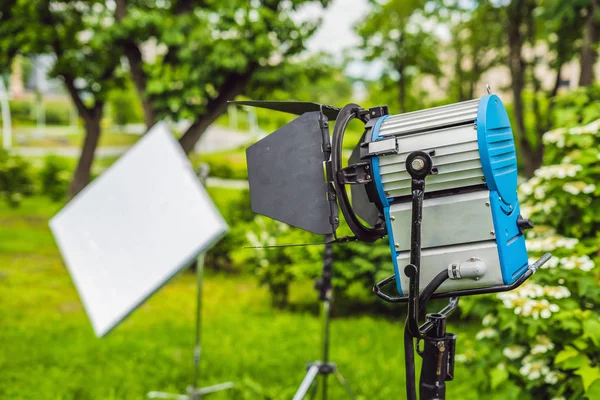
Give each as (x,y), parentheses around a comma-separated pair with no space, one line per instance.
(235,39)
(548,329)
(57,113)
(55,176)
(16,179)
(391,34)
(277,267)
(225,165)
(234,205)
(358,266)
(24,111)
(21,110)
(124,105)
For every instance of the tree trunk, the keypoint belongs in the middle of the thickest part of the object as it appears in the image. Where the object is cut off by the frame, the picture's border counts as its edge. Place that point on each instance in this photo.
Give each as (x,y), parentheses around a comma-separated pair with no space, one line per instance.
(557,80)
(234,85)
(136,67)
(92,134)
(402,90)
(517,12)
(459,73)
(589,54)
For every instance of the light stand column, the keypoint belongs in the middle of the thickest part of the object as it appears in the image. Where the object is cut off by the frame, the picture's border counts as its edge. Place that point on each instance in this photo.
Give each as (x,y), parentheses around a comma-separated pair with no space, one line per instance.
(323,368)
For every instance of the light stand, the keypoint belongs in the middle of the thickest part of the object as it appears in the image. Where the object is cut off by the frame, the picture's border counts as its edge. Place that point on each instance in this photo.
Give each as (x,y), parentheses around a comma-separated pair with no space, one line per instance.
(195,392)
(323,368)
(439,346)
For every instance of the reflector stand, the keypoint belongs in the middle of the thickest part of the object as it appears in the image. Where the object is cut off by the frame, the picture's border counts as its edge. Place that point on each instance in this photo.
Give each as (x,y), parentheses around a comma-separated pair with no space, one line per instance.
(194,391)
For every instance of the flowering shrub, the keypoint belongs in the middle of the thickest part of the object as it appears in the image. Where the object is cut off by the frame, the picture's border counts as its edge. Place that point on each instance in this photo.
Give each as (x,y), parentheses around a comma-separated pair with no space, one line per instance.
(542,341)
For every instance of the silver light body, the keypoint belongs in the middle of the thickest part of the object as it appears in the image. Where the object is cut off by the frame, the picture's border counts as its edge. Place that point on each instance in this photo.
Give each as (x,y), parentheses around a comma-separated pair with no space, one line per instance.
(458,224)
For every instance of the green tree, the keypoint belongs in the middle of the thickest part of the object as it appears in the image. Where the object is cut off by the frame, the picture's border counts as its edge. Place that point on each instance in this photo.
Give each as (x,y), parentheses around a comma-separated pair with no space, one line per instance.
(206,53)
(390,34)
(78,35)
(476,43)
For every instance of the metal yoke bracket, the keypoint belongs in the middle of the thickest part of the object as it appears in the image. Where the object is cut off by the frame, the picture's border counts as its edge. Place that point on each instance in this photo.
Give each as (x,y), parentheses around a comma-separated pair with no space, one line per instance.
(334,219)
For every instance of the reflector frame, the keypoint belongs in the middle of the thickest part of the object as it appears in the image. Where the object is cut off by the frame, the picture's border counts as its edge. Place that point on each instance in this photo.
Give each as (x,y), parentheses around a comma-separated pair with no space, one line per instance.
(134,227)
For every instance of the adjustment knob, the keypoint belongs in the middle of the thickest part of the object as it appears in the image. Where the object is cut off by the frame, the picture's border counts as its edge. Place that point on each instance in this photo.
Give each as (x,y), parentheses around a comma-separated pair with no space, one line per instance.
(524,223)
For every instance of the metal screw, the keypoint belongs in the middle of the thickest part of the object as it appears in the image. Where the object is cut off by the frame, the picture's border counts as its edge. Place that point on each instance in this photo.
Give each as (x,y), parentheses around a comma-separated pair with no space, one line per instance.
(387,194)
(368,177)
(487,203)
(417,164)
(392,218)
(492,233)
(483,178)
(397,245)
(367,168)
(336,220)
(473,259)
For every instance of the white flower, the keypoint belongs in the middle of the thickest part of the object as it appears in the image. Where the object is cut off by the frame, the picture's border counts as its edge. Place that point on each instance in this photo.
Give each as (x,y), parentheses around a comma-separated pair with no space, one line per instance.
(489,319)
(486,333)
(578,187)
(551,378)
(525,300)
(513,352)
(550,243)
(557,292)
(559,171)
(555,136)
(589,188)
(542,345)
(583,263)
(551,263)
(461,358)
(533,369)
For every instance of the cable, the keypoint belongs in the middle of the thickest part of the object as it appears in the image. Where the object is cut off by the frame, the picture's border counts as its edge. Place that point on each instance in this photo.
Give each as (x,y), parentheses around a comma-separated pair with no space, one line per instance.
(431,288)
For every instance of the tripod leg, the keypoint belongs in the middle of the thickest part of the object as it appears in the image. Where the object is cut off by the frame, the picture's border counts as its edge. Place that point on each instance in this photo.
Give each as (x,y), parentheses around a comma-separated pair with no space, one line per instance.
(163,395)
(307,382)
(345,384)
(215,388)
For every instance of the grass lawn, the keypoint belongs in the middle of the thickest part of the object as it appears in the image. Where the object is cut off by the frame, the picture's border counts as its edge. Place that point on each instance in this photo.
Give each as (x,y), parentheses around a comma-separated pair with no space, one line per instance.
(48,349)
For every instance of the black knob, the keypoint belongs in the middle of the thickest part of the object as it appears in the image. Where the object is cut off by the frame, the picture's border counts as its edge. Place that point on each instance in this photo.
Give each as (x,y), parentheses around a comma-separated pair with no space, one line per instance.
(524,223)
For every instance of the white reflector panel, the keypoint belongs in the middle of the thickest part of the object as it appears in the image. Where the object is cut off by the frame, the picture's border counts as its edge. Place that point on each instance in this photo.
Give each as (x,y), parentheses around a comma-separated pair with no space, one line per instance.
(133,228)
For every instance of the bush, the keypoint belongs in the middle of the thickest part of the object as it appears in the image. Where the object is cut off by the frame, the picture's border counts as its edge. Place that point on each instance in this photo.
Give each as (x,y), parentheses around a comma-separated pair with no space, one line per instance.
(125,107)
(225,165)
(55,177)
(21,110)
(358,266)
(549,329)
(277,267)
(16,179)
(57,112)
